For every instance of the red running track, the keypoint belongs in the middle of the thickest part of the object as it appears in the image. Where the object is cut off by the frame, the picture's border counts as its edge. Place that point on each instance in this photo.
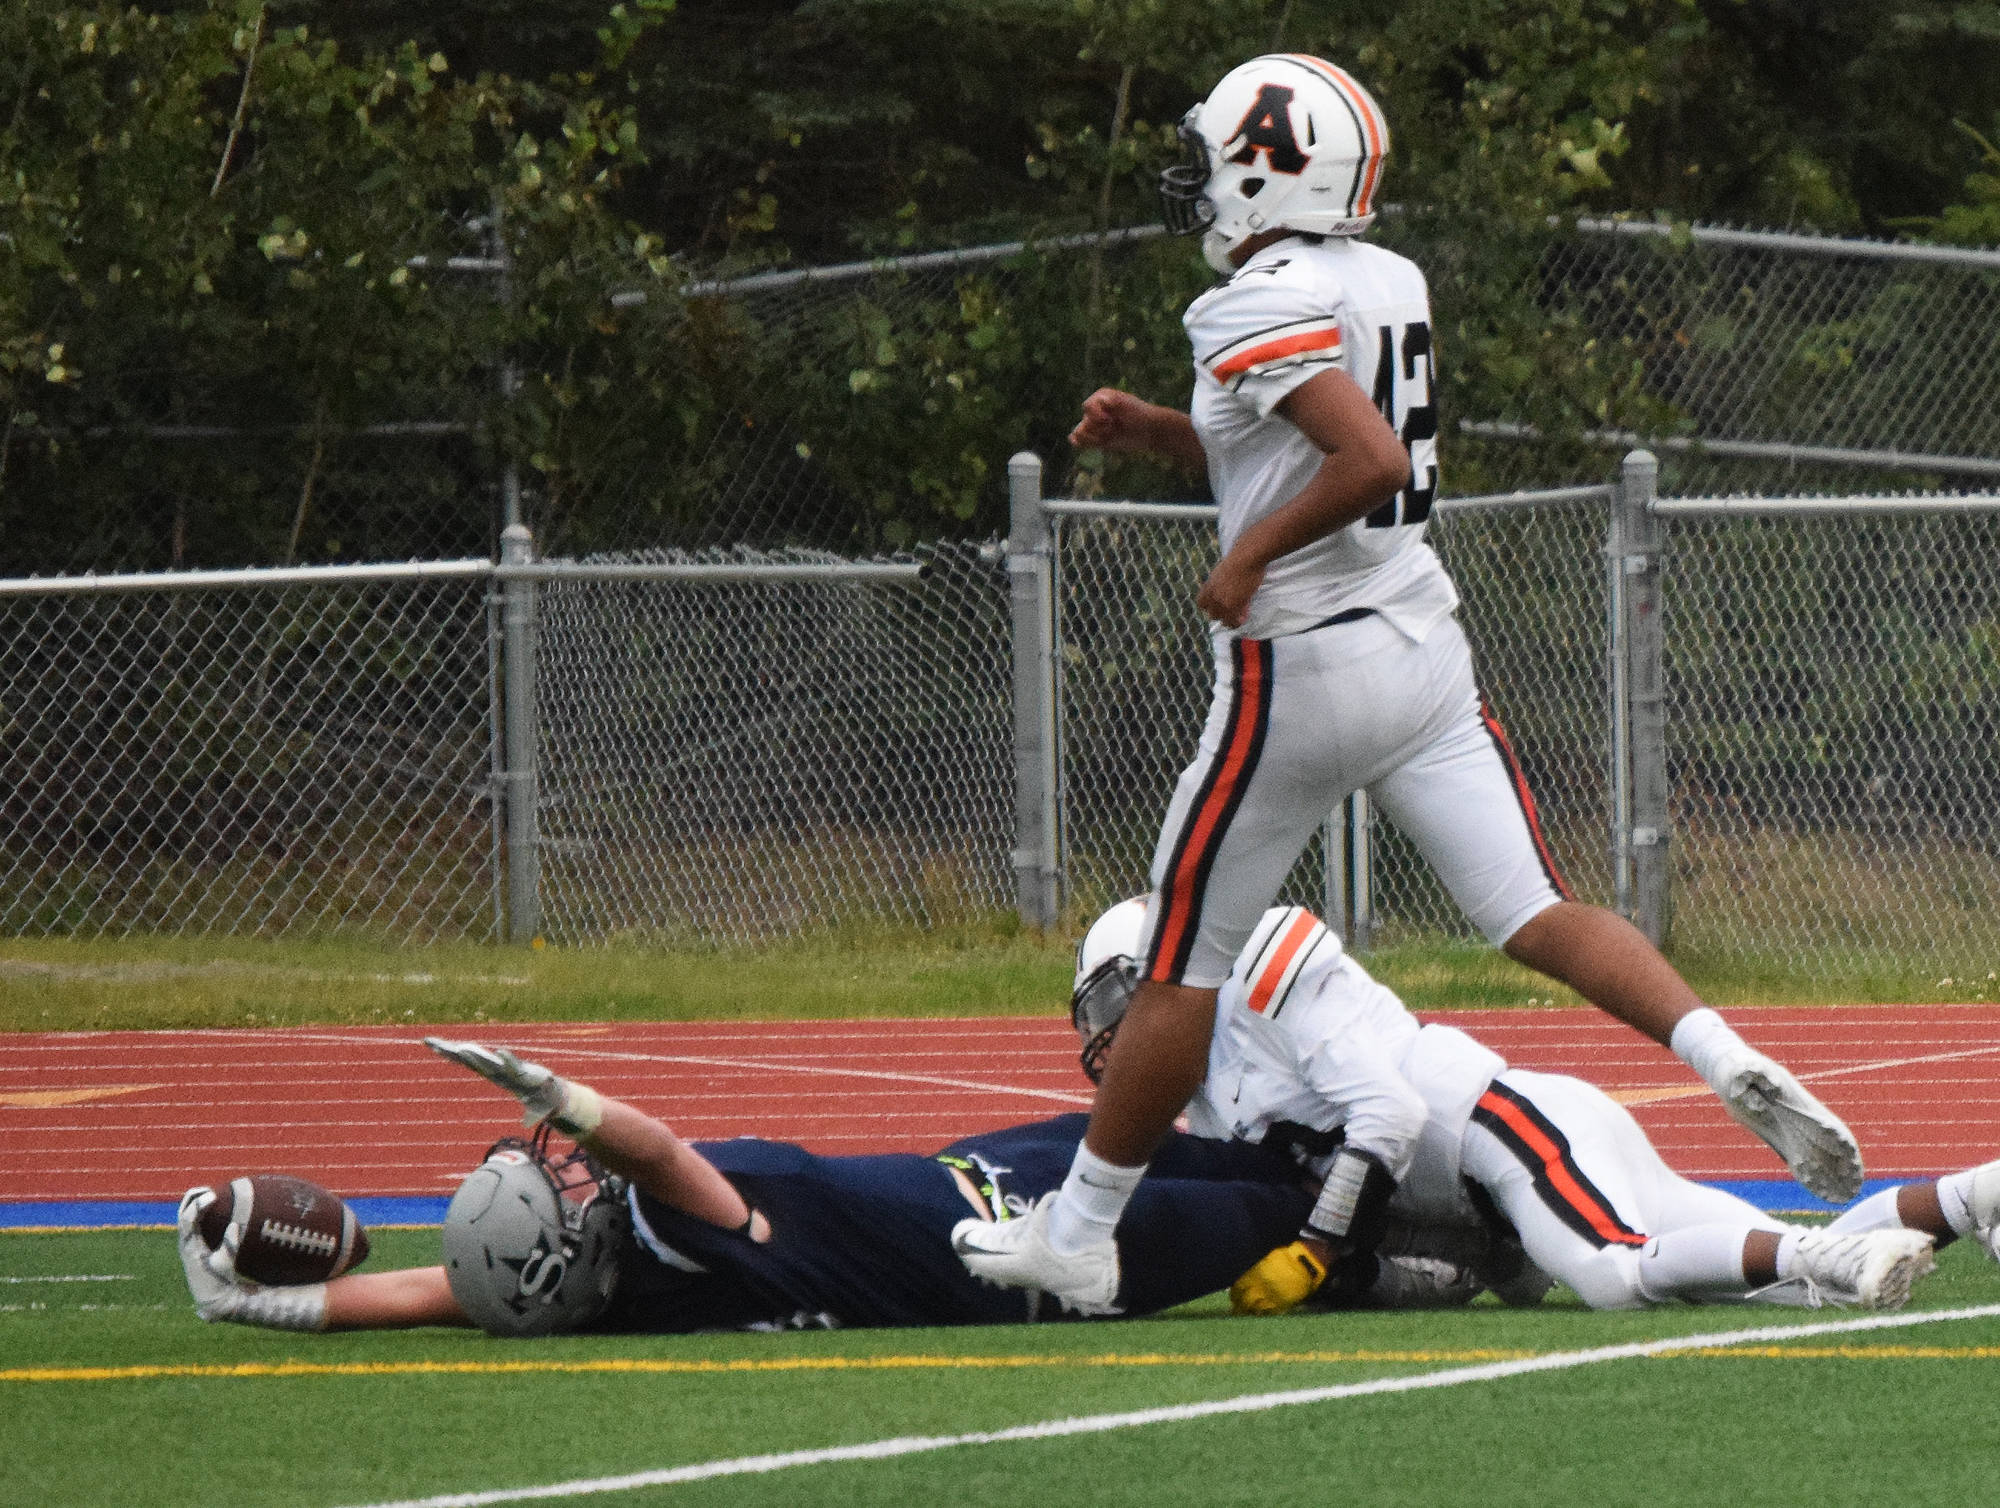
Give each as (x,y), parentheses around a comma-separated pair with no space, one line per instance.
(367,1111)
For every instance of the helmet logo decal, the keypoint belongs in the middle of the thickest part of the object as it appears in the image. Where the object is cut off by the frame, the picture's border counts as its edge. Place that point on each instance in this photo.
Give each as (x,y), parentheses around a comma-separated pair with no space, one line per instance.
(543,1270)
(1267,127)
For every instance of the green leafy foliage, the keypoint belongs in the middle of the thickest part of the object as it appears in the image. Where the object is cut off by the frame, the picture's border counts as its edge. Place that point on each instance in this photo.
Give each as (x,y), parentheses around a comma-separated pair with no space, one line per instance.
(229,221)
(211,210)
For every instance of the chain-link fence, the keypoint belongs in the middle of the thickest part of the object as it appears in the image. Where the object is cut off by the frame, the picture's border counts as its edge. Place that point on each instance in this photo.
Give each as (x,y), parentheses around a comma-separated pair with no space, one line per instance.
(745,761)
(1833,732)
(761,758)
(1826,741)
(249,759)
(1752,362)
(306,422)
(749,758)
(727,746)
(866,408)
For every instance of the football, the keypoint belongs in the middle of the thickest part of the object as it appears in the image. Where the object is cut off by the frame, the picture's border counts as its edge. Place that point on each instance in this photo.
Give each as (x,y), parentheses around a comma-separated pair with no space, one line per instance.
(294,1231)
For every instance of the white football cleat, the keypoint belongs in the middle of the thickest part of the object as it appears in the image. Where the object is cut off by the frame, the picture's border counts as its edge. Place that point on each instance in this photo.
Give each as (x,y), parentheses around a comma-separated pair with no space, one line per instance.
(1984,1204)
(1869,1269)
(1016,1254)
(1814,1142)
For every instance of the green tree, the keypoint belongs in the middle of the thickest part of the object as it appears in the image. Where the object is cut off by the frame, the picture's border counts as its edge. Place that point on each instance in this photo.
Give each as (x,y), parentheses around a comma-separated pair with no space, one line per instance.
(213,220)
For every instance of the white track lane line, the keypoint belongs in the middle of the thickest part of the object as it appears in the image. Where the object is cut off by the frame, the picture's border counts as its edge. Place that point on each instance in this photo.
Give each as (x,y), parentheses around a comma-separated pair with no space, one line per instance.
(1882,1064)
(1255,1403)
(751,1065)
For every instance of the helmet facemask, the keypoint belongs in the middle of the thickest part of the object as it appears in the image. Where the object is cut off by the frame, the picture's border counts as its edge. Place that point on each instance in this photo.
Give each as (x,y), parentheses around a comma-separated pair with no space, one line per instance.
(1098,1006)
(1184,202)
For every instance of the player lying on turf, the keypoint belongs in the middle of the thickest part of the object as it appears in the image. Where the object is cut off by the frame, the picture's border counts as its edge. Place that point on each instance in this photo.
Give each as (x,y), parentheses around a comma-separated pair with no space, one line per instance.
(642,1231)
(1426,1126)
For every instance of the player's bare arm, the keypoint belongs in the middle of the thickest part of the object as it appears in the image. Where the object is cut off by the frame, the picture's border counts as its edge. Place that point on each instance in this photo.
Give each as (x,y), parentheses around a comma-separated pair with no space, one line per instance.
(398,1300)
(640,1147)
(626,1140)
(1116,420)
(1365,466)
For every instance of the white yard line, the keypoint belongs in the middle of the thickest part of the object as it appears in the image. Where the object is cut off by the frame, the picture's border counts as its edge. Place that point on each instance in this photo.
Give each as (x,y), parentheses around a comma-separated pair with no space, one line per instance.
(1255,1403)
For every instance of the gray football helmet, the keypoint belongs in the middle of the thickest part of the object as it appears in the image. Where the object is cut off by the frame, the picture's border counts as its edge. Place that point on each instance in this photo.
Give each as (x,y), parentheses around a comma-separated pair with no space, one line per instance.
(532,1244)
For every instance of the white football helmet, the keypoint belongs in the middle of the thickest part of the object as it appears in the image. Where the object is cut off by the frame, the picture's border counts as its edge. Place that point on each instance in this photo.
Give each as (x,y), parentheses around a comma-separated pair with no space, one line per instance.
(1285,141)
(1107,971)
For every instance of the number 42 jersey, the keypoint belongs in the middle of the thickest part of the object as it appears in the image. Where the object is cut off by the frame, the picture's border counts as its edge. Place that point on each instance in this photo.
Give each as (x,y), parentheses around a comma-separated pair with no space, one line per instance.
(1297,309)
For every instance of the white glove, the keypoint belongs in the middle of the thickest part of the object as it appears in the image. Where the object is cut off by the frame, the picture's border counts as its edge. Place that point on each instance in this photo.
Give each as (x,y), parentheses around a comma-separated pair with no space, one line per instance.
(220,1293)
(211,1273)
(573,1109)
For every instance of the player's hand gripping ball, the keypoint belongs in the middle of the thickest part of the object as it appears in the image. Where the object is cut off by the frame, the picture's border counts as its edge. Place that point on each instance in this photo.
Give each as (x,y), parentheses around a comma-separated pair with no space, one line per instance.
(283,1230)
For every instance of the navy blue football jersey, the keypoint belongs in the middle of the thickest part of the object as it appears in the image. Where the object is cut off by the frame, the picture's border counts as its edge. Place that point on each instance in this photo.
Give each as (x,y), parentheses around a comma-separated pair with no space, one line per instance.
(866,1241)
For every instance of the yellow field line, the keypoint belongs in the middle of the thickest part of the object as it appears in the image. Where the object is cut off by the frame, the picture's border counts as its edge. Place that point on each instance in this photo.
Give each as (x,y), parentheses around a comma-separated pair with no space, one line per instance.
(638,1365)
(1856,1353)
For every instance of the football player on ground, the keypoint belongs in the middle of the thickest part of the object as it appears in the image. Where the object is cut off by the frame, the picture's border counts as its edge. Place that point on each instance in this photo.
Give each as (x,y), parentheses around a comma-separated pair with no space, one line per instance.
(642,1231)
(1423,1126)
(1339,664)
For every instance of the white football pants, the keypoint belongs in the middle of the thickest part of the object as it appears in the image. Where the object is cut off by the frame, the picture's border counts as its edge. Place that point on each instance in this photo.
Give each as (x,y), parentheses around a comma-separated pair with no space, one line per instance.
(1297,725)
(1595,1205)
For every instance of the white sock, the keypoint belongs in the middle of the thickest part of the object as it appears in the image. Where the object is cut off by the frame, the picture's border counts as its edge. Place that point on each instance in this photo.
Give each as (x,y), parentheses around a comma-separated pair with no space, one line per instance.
(1696,1261)
(1878,1212)
(1093,1197)
(1954,1192)
(1700,1038)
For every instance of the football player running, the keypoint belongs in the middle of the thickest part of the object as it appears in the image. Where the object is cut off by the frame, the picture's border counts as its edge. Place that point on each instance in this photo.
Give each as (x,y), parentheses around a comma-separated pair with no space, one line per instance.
(1339,665)
(1424,1126)
(640,1231)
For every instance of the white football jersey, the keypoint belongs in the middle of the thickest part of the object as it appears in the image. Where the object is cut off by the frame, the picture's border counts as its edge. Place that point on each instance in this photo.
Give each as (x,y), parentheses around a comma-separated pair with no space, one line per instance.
(1292,311)
(1307,1042)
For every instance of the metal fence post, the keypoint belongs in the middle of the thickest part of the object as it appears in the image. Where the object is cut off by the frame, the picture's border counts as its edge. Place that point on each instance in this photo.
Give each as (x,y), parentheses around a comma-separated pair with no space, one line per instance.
(1348,886)
(1037,867)
(517,630)
(1360,873)
(510,374)
(1639,682)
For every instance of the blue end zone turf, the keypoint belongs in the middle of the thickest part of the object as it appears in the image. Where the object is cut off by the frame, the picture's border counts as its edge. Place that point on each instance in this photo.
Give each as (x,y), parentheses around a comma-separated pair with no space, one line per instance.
(1778,1195)
(90,1214)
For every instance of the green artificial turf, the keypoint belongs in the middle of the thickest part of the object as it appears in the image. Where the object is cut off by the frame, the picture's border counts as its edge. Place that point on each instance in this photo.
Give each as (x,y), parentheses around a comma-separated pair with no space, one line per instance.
(1900,1415)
